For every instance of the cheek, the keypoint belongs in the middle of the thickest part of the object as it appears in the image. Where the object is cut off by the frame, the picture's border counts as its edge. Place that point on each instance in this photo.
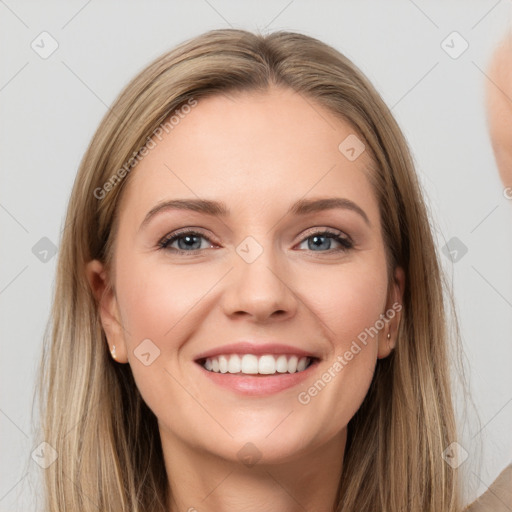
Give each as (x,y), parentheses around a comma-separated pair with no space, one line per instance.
(349,299)
(166,303)
(349,302)
(158,305)
(156,299)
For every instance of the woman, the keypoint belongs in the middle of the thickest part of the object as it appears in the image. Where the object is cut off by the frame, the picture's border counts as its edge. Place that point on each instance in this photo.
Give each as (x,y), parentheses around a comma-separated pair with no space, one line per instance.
(249,307)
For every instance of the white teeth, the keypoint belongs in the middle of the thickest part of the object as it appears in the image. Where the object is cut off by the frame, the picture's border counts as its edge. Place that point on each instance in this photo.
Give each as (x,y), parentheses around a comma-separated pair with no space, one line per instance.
(223,364)
(292,364)
(267,365)
(250,364)
(301,365)
(282,364)
(234,364)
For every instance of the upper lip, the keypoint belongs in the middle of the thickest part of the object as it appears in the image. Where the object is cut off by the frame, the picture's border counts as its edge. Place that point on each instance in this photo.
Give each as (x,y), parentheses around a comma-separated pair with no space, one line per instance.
(256,348)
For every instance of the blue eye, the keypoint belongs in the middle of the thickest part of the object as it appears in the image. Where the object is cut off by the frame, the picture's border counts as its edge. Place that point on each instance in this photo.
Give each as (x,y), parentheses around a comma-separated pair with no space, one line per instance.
(321,239)
(189,239)
(191,242)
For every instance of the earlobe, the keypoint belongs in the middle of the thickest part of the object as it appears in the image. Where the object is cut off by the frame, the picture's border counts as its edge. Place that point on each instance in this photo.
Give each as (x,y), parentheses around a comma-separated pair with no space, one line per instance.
(106,303)
(386,345)
(393,314)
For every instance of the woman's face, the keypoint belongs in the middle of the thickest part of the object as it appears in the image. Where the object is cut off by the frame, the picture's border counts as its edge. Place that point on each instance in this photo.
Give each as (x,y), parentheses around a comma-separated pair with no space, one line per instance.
(263,272)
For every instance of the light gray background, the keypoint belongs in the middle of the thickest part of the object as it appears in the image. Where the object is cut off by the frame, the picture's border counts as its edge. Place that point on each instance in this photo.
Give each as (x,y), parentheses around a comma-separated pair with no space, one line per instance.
(51,107)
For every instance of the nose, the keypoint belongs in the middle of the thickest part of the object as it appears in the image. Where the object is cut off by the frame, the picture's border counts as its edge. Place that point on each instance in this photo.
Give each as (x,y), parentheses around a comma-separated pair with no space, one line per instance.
(261,290)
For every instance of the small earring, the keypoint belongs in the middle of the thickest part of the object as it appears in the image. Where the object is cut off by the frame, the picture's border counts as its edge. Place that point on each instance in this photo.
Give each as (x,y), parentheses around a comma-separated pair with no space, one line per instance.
(389,336)
(113,351)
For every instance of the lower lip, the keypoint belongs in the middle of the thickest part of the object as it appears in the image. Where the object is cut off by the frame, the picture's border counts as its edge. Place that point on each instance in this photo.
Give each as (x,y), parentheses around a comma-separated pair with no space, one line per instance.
(258,385)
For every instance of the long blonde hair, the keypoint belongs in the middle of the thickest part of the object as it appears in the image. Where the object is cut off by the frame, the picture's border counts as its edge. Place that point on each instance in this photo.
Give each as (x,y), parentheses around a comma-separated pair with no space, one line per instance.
(107,439)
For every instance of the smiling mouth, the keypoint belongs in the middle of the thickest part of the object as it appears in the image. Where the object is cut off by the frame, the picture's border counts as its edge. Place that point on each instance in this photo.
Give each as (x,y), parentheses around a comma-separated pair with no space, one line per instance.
(253,365)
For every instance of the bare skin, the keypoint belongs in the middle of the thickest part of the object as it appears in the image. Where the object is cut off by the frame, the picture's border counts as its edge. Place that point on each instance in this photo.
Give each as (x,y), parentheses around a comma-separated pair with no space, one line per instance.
(258,153)
(499,109)
(499,116)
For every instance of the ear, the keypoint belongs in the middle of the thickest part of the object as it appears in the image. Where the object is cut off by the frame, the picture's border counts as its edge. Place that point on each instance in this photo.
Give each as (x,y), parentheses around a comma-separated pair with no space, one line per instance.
(106,301)
(392,315)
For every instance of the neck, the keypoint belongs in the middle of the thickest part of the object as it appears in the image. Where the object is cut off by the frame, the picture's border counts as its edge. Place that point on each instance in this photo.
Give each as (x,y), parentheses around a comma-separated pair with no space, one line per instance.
(201,481)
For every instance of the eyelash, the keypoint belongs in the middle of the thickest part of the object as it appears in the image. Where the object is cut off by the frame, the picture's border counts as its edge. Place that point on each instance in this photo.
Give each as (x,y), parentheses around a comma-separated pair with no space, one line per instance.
(345,242)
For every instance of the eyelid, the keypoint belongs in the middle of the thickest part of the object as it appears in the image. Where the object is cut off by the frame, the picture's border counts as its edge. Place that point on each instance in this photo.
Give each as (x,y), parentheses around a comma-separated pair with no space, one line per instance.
(185,231)
(325,230)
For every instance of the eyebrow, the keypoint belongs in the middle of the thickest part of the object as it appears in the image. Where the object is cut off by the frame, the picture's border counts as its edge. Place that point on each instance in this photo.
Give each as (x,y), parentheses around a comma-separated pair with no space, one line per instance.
(219,209)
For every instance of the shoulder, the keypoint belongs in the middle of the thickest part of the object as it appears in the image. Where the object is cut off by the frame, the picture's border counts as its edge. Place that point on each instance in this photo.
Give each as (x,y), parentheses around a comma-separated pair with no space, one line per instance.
(498,497)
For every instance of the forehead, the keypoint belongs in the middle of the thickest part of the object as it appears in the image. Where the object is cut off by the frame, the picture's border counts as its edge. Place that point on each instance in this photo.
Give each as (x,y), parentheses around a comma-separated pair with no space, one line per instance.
(254,150)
